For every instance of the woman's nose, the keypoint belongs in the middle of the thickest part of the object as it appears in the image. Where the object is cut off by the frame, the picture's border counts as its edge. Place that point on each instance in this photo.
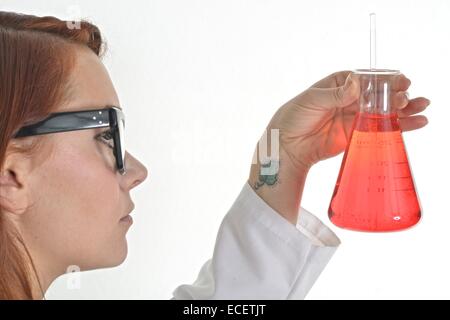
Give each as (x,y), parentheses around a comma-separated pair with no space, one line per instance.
(136,172)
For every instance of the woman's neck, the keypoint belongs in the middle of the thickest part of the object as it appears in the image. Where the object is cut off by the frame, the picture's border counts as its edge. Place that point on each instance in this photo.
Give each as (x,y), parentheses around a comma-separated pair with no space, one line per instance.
(42,270)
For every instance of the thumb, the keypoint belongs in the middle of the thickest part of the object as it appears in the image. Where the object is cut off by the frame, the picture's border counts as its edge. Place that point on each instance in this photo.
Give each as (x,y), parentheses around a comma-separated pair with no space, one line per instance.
(337,97)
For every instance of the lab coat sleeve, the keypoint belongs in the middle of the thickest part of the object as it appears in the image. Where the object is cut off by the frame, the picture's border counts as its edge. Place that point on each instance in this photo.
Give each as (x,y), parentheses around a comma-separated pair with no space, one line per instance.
(260,255)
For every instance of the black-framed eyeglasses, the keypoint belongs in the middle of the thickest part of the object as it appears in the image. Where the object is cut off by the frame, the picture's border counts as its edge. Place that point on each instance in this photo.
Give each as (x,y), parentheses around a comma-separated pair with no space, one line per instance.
(111,117)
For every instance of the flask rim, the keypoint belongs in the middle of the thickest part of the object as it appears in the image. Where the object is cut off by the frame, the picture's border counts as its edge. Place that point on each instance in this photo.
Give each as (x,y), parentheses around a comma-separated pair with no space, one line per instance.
(376,71)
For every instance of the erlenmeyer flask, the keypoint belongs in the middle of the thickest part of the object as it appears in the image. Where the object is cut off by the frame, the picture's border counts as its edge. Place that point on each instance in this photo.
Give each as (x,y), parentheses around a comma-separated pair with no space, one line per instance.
(375,188)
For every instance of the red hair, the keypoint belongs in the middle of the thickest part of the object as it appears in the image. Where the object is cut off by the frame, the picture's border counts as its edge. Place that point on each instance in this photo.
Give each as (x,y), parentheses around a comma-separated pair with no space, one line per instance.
(36,59)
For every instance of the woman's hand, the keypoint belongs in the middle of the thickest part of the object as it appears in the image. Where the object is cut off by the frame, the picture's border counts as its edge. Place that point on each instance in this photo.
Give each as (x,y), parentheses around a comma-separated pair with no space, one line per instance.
(316,125)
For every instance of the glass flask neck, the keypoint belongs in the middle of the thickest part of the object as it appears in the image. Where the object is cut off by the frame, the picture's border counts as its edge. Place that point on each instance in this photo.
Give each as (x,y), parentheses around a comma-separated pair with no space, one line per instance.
(376,93)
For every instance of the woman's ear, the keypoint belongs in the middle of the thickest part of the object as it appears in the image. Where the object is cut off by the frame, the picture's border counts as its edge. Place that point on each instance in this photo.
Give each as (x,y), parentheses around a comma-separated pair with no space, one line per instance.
(13,187)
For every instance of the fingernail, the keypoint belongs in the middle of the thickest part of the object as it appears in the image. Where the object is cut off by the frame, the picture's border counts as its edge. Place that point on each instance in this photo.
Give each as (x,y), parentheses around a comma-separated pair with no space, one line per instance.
(348,82)
(404,97)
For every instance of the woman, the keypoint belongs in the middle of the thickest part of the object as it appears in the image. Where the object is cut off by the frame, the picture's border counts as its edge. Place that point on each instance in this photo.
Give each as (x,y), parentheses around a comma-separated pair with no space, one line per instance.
(65,176)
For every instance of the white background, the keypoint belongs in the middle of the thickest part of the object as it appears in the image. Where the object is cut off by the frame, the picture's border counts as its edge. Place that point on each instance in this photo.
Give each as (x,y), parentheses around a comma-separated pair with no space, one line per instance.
(199,80)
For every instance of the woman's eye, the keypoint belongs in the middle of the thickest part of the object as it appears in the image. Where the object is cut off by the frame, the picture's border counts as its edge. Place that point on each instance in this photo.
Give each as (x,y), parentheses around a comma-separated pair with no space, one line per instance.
(107,138)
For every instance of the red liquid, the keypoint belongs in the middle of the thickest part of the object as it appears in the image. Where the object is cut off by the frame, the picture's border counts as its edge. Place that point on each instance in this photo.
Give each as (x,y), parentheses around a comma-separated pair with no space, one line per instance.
(375,188)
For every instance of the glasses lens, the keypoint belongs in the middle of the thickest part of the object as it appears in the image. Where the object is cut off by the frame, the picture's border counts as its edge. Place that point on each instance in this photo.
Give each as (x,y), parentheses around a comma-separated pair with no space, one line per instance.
(121,124)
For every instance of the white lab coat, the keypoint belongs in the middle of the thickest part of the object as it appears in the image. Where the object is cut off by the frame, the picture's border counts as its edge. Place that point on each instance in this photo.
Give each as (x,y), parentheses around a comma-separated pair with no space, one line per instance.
(260,255)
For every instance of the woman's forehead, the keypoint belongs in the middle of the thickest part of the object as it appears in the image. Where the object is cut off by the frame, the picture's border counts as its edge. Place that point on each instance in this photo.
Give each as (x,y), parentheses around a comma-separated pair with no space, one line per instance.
(90,84)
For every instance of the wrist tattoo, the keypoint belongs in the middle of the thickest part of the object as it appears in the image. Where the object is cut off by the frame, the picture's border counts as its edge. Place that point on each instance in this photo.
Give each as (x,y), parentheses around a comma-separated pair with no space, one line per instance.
(268,174)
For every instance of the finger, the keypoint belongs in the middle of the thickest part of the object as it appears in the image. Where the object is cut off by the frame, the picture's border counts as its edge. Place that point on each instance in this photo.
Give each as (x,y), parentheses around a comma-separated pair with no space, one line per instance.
(334,80)
(413,122)
(400,83)
(352,108)
(348,120)
(414,106)
(328,98)
(399,100)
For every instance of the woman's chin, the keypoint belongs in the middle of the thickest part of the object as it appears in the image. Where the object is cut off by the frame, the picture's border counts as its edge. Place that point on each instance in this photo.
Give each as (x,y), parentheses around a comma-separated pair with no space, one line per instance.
(121,255)
(117,256)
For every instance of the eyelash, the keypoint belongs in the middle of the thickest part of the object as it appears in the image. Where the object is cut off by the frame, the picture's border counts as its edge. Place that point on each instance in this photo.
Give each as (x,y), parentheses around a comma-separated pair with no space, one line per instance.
(106,137)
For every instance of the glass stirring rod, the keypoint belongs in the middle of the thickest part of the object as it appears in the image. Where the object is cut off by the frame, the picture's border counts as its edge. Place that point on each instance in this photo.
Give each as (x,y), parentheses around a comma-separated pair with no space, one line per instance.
(373,42)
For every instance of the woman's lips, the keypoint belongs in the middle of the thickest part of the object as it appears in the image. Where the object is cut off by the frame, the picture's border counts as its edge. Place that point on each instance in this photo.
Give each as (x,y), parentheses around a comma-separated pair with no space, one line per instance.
(127,219)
